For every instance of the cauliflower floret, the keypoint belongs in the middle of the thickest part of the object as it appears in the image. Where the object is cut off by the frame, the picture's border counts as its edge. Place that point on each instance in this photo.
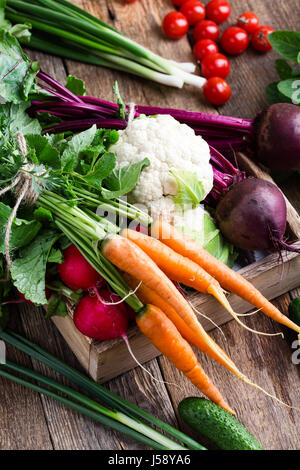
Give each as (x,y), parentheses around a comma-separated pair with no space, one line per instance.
(168,145)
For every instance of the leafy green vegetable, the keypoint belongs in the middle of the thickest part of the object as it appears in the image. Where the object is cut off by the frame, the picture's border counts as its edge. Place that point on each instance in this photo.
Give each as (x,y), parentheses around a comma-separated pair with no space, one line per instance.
(287,44)
(56,307)
(17,72)
(77,144)
(190,191)
(274,95)
(22,233)
(55,256)
(75,85)
(14,118)
(289,89)
(28,271)
(210,238)
(122,180)
(43,151)
(101,170)
(283,69)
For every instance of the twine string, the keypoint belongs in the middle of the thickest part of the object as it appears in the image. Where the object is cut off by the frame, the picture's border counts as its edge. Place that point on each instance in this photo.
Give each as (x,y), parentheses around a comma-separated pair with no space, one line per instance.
(22,185)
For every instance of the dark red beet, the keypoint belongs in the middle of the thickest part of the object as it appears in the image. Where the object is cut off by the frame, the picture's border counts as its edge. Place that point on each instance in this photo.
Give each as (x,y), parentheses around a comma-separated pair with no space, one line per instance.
(278,137)
(252,216)
(76,272)
(99,321)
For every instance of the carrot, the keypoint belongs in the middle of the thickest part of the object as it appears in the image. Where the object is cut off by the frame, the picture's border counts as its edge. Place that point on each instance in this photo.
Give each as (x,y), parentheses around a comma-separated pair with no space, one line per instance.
(167,339)
(149,296)
(228,279)
(177,267)
(130,258)
(182,269)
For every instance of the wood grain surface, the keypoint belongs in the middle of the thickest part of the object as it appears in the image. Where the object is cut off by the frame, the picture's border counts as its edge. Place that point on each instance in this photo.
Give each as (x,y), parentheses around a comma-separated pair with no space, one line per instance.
(30,421)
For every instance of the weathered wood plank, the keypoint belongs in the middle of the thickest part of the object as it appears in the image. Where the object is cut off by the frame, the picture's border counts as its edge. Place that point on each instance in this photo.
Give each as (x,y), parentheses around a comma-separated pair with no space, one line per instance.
(23,425)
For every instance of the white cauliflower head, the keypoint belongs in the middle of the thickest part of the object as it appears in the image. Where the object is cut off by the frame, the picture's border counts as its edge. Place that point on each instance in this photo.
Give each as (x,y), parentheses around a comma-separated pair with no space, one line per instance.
(168,145)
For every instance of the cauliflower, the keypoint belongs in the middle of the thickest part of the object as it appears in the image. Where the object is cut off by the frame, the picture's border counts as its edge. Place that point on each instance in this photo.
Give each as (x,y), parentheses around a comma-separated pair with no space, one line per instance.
(168,145)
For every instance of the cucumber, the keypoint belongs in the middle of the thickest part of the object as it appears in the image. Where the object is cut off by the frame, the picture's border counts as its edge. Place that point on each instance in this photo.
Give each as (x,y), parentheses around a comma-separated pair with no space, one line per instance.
(217,424)
(294,311)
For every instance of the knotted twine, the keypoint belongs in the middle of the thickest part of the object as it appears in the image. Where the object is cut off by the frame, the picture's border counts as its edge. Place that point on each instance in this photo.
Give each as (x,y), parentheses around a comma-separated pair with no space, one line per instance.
(22,186)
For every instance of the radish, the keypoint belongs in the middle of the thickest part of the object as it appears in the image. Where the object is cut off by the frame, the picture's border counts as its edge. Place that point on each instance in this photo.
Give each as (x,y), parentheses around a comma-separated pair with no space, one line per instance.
(100,321)
(76,272)
(252,216)
(104,317)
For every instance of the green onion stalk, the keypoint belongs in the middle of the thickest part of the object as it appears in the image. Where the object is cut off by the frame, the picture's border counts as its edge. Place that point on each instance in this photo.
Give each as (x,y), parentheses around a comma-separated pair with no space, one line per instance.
(122,415)
(85,38)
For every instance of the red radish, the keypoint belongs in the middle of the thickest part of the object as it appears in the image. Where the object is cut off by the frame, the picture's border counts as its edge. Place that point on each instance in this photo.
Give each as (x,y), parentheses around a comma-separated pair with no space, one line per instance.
(76,272)
(99,321)
(102,321)
(106,296)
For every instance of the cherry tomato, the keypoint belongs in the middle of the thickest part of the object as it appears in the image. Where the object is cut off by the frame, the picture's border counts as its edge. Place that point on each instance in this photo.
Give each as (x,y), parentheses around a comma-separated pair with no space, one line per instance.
(129,1)
(260,39)
(248,21)
(234,40)
(218,11)
(193,10)
(206,29)
(215,65)
(216,90)
(175,25)
(204,47)
(178,3)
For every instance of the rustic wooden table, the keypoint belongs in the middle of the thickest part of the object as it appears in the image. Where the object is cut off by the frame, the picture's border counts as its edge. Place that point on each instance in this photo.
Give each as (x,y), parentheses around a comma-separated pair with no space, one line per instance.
(30,421)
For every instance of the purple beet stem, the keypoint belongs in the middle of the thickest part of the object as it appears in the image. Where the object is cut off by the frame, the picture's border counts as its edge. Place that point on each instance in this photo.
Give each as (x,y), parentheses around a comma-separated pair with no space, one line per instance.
(221,132)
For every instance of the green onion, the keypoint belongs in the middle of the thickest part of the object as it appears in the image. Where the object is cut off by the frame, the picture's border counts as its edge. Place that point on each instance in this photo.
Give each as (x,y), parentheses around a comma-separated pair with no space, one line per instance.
(124,416)
(73,28)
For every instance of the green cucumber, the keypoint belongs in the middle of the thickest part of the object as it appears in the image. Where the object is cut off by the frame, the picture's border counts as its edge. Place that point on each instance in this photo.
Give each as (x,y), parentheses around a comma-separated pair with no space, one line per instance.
(217,424)
(294,311)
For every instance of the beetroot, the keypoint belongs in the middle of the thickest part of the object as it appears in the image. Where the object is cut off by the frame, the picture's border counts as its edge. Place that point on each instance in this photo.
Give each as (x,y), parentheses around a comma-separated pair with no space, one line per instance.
(278,137)
(252,216)
(76,272)
(99,321)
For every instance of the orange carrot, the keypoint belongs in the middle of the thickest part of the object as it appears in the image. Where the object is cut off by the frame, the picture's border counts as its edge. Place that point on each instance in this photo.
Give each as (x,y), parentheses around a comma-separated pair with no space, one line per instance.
(167,339)
(177,267)
(149,296)
(130,258)
(228,279)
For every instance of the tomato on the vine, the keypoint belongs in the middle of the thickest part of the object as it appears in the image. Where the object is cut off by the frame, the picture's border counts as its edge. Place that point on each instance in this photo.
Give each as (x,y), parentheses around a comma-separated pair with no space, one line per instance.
(204,47)
(260,39)
(175,25)
(234,40)
(206,29)
(215,65)
(193,10)
(218,10)
(248,21)
(216,90)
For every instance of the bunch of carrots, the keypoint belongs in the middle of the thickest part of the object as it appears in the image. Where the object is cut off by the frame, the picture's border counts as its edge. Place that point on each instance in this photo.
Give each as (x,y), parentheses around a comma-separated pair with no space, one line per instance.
(168,320)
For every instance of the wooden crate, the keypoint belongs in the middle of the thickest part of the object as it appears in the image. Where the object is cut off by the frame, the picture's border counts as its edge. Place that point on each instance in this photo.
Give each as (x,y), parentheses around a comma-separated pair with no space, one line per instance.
(105,360)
